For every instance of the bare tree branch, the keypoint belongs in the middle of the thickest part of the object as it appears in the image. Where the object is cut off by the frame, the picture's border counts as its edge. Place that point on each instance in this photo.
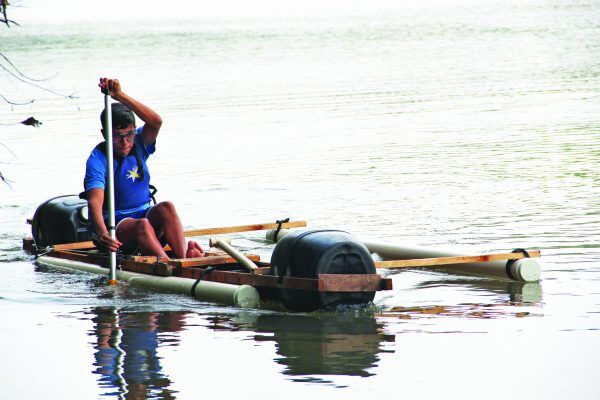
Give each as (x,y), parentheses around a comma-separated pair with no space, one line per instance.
(9,150)
(3,6)
(13,71)
(5,180)
(22,74)
(16,104)
(69,96)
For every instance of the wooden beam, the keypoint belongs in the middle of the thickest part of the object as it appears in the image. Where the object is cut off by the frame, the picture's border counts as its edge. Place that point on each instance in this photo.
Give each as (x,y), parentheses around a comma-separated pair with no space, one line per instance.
(246,278)
(350,283)
(195,232)
(441,261)
(243,228)
(74,246)
(130,264)
(333,283)
(208,260)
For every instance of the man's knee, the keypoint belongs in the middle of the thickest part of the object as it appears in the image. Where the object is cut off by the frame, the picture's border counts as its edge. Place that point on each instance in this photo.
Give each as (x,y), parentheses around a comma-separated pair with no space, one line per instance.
(165,209)
(144,227)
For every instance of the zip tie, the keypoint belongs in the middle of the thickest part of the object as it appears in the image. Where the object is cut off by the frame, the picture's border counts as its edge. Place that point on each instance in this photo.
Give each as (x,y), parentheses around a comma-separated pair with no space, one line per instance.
(279,223)
(202,275)
(509,263)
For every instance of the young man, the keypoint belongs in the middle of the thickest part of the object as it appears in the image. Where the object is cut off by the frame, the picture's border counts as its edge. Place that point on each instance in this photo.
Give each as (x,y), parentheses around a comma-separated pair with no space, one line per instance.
(139,225)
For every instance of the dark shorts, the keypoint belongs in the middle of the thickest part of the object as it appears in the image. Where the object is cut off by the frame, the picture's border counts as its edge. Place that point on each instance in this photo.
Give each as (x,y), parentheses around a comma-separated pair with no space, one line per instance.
(134,215)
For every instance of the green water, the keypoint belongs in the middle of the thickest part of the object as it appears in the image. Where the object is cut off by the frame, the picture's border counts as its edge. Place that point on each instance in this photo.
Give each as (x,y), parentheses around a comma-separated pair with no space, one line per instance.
(449,123)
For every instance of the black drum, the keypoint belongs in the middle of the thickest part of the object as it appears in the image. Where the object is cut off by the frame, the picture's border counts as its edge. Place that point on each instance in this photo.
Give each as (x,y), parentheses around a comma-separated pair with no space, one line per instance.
(310,253)
(61,219)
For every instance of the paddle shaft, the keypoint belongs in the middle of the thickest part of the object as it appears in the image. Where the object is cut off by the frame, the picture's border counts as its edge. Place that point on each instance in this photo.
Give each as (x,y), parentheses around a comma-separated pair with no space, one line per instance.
(112,279)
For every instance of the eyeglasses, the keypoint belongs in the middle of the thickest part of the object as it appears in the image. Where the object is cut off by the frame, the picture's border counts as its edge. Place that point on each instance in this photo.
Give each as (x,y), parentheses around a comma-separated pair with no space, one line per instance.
(128,136)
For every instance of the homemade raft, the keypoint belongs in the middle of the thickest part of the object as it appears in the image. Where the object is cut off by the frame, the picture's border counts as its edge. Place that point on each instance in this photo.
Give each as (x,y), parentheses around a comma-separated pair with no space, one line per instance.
(308,270)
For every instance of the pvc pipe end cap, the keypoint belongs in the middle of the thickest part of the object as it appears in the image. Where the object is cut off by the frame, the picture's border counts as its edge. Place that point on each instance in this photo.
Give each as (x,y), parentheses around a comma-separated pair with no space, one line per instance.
(246,296)
(527,269)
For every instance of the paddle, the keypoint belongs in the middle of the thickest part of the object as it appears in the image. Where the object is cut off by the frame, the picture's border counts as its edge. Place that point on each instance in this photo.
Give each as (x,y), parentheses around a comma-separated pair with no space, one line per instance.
(112,279)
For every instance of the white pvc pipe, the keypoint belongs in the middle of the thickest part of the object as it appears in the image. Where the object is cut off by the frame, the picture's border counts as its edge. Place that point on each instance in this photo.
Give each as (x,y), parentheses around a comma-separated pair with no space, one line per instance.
(237,295)
(112,279)
(524,269)
(238,256)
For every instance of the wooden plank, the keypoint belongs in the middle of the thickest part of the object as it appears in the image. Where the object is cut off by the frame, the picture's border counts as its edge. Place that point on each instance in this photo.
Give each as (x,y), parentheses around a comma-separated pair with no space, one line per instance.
(208,260)
(74,246)
(349,283)
(243,228)
(441,261)
(256,280)
(261,270)
(386,284)
(196,232)
(160,269)
(101,259)
(148,259)
(331,282)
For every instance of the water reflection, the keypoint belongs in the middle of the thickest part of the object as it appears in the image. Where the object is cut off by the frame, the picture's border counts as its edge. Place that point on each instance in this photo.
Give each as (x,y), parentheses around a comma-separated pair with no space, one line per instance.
(126,352)
(332,343)
(517,299)
(519,293)
(308,345)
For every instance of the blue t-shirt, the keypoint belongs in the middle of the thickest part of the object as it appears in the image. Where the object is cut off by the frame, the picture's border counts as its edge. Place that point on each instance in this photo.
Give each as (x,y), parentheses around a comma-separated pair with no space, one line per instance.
(132,192)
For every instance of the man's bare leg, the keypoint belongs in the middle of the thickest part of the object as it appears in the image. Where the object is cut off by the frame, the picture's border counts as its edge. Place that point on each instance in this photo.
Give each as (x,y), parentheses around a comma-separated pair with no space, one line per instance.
(165,220)
(140,232)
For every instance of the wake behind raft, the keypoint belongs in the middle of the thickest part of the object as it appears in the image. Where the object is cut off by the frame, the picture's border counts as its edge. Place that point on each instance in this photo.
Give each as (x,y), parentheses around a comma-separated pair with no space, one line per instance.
(309,269)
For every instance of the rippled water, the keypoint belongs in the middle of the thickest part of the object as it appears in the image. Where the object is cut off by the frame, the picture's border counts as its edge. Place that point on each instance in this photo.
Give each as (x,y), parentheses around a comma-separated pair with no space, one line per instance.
(451,123)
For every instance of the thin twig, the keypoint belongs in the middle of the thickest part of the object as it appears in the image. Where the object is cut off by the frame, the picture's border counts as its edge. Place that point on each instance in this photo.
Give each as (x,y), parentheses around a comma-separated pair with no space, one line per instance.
(9,150)
(9,21)
(22,74)
(3,6)
(7,181)
(71,96)
(16,104)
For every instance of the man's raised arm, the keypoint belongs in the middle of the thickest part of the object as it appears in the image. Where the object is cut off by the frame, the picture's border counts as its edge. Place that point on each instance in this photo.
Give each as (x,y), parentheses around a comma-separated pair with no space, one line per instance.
(152,121)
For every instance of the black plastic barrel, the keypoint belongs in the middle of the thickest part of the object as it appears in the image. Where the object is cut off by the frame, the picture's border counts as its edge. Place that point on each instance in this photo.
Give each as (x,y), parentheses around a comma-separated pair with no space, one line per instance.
(61,219)
(306,254)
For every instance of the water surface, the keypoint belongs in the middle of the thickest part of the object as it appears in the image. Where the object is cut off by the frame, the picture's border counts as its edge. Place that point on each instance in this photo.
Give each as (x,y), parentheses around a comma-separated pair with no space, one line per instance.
(450,123)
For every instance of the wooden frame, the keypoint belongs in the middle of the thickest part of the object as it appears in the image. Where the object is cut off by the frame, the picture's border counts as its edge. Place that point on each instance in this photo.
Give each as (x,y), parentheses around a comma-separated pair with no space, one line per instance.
(228,271)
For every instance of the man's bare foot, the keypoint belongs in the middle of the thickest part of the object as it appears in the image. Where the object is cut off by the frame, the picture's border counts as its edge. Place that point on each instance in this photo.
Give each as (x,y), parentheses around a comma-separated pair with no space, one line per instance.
(194,250)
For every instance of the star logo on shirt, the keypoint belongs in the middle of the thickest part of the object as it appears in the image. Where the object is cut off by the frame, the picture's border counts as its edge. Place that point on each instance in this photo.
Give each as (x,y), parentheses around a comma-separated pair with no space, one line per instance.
(133,174)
